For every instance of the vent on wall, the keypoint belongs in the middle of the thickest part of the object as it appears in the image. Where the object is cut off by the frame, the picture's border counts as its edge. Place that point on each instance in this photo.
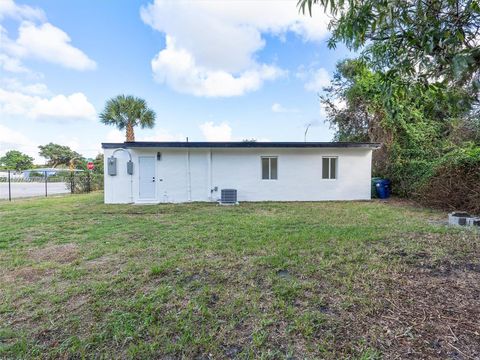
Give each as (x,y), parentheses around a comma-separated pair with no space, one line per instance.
(228,197)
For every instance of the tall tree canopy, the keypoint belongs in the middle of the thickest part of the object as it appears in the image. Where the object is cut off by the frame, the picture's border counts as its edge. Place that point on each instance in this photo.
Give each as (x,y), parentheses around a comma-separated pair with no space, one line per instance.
(16,160)
(415,87)
(126,112)
(421,39)
(431,142)
(59,155)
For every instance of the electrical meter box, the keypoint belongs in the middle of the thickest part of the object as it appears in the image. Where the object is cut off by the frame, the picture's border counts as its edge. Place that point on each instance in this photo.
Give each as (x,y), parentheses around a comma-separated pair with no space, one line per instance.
(112,166)
(130,167)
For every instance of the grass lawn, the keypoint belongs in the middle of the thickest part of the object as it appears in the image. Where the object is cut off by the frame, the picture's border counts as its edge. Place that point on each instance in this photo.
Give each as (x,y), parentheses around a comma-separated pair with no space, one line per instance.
(262,280)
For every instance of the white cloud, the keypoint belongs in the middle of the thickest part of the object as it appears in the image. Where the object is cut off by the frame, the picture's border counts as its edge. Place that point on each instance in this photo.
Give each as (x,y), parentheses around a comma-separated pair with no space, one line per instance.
(71,141)
(60,107)
(15,140)
(317,80)
(13,84)
(177,68)
(49,43)
(162,135)
(279,108)
(225,34)
(211,49)
(8,8)
(74,106)
(11,64)
(9,137)
(37,39)
(212,132)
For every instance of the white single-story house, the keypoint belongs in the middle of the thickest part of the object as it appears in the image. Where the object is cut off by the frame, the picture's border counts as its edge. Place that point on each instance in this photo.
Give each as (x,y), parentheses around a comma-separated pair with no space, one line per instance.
(158,172)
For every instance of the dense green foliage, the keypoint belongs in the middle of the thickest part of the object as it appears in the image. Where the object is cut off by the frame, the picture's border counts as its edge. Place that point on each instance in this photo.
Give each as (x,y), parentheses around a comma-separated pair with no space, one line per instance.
(16,160)
(414,88)
(59,155)
(422,130)
(422,40)
(84,182)
(98,163)
(126,112)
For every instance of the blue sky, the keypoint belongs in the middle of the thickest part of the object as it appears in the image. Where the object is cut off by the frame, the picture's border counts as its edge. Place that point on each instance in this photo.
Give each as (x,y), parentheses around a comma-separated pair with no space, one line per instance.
(211,70)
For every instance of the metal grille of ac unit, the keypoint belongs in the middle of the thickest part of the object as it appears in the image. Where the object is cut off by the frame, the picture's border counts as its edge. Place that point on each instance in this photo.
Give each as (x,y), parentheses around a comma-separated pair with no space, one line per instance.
(228,196)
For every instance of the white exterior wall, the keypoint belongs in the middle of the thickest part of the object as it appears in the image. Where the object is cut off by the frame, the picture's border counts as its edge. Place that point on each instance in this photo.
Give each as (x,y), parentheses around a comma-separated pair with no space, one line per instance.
(117,189)
(299,174)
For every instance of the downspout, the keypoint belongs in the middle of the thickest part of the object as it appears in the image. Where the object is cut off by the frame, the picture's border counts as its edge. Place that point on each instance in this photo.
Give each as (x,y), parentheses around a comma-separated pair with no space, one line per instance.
(131,175)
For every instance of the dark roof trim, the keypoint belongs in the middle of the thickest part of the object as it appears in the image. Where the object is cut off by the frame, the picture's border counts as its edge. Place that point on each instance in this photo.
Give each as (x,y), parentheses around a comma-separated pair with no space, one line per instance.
(237,144)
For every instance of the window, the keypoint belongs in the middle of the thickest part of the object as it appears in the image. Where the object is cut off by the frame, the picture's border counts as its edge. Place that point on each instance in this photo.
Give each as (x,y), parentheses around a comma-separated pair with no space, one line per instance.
(269,168)
(329,167)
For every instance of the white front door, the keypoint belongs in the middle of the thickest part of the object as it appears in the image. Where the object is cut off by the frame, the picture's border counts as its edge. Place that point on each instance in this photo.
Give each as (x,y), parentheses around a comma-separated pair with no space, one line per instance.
(146,173)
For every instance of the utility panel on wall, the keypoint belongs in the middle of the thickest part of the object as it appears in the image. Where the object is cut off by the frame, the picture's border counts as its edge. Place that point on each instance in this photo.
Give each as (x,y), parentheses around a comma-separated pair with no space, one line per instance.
(112,166)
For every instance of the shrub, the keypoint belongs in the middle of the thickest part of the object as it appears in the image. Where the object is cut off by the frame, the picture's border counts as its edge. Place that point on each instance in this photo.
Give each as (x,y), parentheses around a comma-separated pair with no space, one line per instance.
(455,182)
(84,182)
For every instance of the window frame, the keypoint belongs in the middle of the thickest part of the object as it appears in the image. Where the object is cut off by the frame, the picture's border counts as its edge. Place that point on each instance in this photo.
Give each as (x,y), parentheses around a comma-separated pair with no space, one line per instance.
(329,178)
(269,157)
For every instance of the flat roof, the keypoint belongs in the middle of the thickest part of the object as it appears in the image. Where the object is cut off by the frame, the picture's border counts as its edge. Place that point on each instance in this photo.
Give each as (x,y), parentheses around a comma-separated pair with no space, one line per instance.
(237,144)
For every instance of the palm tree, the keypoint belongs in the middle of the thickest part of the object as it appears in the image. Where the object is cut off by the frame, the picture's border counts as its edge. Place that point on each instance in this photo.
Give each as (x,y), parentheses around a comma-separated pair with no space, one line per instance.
(125,112)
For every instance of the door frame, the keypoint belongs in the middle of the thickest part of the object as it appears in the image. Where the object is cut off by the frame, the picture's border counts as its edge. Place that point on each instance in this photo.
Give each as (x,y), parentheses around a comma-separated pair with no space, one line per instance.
(155,175)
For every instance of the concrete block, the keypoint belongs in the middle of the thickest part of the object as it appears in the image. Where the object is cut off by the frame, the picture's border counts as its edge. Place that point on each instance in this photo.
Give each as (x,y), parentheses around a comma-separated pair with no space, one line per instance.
(458,218)
(473,221)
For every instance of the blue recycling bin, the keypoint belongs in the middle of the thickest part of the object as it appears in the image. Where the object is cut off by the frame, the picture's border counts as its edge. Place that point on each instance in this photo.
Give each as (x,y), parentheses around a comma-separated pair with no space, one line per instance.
(383,188)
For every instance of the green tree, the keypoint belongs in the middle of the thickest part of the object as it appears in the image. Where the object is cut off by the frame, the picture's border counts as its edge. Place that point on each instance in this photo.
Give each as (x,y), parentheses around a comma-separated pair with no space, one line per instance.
(359,89)
(16,160)
(423,40)
(126,112)
(59,155)
(415,88)
(416,127)
(98,162)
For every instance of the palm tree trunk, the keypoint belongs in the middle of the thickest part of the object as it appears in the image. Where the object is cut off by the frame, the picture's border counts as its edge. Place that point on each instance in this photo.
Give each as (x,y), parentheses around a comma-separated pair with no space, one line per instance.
(130,133)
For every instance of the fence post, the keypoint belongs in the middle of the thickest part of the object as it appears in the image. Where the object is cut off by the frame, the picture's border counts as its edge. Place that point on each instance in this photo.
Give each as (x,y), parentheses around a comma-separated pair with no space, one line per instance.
(72,182)
(46,181)
(88,181)
(9,187)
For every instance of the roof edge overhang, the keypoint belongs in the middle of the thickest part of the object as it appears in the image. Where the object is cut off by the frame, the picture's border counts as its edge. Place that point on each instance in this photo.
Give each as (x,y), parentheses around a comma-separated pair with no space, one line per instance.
(237,144)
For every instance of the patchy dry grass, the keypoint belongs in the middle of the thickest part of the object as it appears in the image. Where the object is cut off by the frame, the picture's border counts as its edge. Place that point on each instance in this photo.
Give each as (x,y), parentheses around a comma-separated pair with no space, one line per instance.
(357,280)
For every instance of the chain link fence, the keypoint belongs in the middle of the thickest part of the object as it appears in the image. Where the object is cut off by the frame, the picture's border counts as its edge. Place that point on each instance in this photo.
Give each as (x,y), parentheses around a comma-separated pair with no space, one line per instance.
(33,183)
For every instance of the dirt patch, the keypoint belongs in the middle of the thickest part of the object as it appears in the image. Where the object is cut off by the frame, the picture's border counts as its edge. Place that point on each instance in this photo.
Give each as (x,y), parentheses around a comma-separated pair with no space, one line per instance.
(77,301)
(430,316)
(27,274)
(62,254)
(48,337)
(109,265)
(99,263)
